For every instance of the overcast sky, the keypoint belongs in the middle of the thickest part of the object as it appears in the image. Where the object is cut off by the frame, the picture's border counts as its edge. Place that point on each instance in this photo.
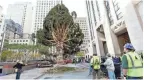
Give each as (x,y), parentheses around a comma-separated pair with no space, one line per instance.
(73,5)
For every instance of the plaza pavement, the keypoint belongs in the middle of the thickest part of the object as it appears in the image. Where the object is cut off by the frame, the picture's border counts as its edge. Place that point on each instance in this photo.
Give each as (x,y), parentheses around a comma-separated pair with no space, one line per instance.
(37,72)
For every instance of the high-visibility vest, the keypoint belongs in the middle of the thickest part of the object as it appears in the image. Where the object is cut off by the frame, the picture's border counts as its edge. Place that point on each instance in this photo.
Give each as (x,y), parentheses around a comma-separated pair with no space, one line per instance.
(95,62)
(135,65)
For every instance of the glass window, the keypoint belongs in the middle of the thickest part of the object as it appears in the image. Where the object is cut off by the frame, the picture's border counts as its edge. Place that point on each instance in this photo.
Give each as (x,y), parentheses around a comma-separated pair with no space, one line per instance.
(117,8)
(109,13)
(120,15)
(93,12)
(98,9)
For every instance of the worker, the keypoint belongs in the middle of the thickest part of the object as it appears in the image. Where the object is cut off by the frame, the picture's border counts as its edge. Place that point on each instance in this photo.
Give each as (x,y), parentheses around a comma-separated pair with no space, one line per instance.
(95,64)
(131,63)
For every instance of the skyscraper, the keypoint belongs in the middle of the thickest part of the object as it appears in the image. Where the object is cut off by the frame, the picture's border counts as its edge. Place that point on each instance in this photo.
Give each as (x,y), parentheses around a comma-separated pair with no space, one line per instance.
(1,28)
(1,19)
(42,9)
(0,13)
(113,23)
(21,13)
(83,26)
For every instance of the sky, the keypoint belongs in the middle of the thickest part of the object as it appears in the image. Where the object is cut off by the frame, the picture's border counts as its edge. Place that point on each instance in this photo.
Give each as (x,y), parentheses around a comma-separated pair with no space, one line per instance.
(73,5)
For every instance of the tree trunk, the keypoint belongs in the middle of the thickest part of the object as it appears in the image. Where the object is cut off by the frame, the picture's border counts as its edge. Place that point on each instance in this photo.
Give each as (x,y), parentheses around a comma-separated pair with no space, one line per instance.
(60,54)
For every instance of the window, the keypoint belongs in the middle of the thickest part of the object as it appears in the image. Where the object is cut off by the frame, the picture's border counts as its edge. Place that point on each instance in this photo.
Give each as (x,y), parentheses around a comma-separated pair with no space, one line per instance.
(109,13)
(117,8)
(98,9)
(90,19)
(93,12)
(114,1)
(120,15)
(26,40)
(23,40)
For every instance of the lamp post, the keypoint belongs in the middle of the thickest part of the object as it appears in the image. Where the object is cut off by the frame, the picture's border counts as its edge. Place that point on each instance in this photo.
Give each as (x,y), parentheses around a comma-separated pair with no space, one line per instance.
(25,51)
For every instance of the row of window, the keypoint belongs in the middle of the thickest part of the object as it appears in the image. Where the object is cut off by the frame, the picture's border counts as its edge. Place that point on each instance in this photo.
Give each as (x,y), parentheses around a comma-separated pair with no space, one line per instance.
(86,40)
(38,12)
(22,43)
(84,28)
(42,10)
(19,40)
(40,16)
(117,9)
(48,3)
(37,29)
(81,21)
(89,9)
(94,15)
(111,21)
(98,10)
(39,23)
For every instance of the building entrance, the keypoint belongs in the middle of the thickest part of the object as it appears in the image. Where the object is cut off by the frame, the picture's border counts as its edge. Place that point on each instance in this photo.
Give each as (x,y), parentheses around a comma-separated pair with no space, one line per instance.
(102,41)
(123,39)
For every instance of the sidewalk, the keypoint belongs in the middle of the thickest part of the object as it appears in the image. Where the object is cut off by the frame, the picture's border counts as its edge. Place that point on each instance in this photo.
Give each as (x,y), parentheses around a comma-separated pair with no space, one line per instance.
(28,74)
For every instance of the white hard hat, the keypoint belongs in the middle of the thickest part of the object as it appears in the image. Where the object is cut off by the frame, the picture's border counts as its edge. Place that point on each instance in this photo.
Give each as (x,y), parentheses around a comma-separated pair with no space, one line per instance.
(18,61)
(21,62)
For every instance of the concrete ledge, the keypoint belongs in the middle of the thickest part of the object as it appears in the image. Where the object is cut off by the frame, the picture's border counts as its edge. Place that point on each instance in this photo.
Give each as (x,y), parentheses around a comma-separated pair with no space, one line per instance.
(8,68)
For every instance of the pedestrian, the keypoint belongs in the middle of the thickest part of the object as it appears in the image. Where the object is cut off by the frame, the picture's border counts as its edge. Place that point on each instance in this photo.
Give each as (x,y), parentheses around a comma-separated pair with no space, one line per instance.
(18,68)
(95,64)
(74,60)
(117,66)
(110,67)
(77,59)
(90,67)
(132,64)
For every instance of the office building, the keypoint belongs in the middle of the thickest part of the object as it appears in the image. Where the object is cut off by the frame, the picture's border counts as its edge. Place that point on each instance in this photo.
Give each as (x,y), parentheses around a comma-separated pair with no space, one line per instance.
(21,13)
(12,30)
(42,9)
(1,20)
(21,41)
(1,27)
(1,15)
(113,23)
(83,26)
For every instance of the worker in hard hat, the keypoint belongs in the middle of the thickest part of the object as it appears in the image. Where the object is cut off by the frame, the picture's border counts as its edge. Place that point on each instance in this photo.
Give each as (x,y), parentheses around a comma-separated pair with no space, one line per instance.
(131,63)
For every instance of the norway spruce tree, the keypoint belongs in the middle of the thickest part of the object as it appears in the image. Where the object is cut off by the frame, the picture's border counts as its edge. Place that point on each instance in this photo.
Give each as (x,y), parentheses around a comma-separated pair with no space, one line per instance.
(60,30)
